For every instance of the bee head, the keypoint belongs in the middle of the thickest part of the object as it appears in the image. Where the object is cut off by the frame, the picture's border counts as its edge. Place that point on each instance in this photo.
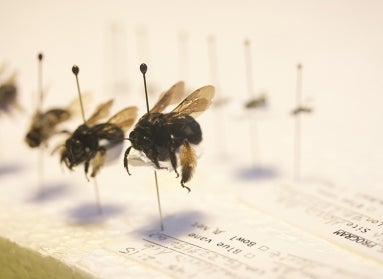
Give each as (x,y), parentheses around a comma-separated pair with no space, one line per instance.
(33,138)
(75,152)
(80,146)
(140,139)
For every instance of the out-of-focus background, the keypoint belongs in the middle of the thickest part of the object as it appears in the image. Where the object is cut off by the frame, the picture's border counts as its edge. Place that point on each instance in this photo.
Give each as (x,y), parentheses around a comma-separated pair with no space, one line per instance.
(339,44)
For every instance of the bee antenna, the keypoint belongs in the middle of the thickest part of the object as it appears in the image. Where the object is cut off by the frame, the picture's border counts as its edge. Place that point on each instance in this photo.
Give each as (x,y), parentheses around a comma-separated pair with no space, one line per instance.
(40,57)
(144,69)
(75,71)
(57,148)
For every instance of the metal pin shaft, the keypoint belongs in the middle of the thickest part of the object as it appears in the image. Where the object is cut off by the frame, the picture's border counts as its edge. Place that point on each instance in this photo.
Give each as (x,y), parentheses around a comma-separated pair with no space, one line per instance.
(298,129)
(143,69)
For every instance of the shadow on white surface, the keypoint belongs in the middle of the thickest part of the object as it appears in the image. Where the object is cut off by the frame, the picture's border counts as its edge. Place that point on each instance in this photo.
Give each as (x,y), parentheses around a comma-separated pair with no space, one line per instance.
(10,168)
(257,173)
(175,224)
(49,191)
(88,213)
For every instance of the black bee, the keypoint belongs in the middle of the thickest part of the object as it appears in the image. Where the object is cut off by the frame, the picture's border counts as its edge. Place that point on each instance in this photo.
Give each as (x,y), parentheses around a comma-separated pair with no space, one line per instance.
(8,95)
(257,102)
(90,141)
(44,125)
(301,109)
(160,135)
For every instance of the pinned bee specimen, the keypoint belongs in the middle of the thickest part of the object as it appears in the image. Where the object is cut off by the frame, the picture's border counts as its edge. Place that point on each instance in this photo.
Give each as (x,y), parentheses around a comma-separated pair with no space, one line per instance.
(44,124)
(257,102)
(301,109)
(90,141)
(298,130)
(8,95)
(161,135)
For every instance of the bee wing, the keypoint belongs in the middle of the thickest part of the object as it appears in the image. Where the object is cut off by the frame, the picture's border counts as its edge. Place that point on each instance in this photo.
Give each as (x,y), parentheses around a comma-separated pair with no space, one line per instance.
(3,66)
(172,96)
(124,118)
(197,102)
(101,111)
(74,107)
(11,79)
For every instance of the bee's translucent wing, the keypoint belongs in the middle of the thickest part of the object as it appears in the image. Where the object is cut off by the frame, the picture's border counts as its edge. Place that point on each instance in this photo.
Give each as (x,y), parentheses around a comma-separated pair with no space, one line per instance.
(197,102)
(11,79)
(124,118)
(101,111)
(172,96)
(74,107)
(3,66)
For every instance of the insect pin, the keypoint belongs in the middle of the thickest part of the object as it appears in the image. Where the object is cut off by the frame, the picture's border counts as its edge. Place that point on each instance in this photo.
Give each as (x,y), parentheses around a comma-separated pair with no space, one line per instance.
(299,109)
(89,143)
(163,136)
(44,123)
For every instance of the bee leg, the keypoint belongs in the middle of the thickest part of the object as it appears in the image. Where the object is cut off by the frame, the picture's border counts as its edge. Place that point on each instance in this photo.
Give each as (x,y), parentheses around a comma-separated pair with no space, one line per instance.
(126,166)
(87,163)
(86,169)
(188,161)
(67,132)
(184,186)
(154,158)
(156,162)
(173,158)
(98,161)
(63,155)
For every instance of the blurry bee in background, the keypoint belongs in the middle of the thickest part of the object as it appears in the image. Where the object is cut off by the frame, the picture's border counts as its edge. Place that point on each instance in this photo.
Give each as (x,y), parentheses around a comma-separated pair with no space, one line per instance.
(8,95)
(257,102)
(301,109)
(160,135)
(43,124)
(90,141)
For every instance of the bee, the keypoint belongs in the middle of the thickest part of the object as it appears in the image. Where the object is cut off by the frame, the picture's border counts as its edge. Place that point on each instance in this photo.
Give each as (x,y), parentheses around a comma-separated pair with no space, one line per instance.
(301,109)
(44,124)
(8,94)
(160,135)
(257,102)
(90,141)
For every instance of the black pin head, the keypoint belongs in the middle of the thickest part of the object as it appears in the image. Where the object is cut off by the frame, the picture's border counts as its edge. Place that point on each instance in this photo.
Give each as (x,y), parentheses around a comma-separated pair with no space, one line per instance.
(299,66)
(143,68)
(40,56)
(247,42)
(75,69)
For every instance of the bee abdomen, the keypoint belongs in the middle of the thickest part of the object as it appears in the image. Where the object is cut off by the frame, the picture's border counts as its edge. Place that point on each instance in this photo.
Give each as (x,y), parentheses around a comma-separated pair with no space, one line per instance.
(194,133)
